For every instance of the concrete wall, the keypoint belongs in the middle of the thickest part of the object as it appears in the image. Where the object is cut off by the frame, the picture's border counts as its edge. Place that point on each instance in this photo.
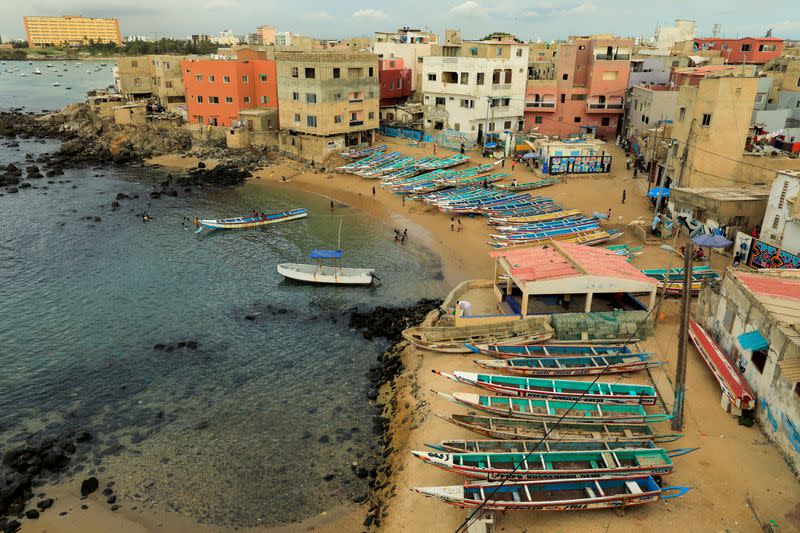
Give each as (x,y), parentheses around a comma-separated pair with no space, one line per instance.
(310,147)
(130,115)
(648,107)
(779,227)
(719,212)
(410,53)
(654,71)
(609,325)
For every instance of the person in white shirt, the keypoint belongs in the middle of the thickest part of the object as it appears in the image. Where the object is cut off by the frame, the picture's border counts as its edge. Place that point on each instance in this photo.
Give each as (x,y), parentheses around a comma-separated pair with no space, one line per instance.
(465,307)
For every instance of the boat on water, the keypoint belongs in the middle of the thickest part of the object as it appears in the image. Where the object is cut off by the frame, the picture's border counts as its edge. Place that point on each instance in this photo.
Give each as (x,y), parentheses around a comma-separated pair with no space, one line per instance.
(561,432)
(557,389)
(555,495)
(514,351)
(525,446)
(37,71)
(580,365)
(551,465)
(56,84)
(556,410)
(251,221)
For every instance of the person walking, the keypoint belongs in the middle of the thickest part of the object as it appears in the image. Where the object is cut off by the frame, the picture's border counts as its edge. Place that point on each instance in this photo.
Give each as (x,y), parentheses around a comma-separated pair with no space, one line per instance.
(452,223)
(462,148)
(503,163)
(513,165)
(460,227)
(373,190)
(624,195)
(628,163)
(635,172)
(404,200)
(434,147)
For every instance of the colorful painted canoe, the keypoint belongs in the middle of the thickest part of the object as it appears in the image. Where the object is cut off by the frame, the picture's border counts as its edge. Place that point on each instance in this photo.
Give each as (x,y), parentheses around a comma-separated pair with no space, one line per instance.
(673,278)
(581,365)
(557,389)
(514,351)
(529,185)
(555,410)
(525,446)
(551,465)
(563,432)
(569,213)
(252,222)
(555,495)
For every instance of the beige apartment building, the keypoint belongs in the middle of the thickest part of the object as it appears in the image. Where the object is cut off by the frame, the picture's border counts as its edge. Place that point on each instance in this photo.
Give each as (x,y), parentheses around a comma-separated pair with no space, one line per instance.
(152,76)
(71,30)
(328,100)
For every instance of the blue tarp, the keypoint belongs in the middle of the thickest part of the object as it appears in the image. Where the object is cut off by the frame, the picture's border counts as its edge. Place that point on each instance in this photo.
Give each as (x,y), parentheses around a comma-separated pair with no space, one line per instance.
(752,341)
(325,254)
(655,192)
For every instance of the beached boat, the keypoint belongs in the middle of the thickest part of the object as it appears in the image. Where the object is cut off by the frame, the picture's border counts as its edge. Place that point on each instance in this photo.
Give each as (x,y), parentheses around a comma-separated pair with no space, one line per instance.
(525,446)
(557,389)
(555,410)
(565,431)
(527,186)
(673,278)
(361,150)
(452,339)
(555,495)
(251,221)
(551,465)
(556,215)
(587,237)
(580,365)
(514,351)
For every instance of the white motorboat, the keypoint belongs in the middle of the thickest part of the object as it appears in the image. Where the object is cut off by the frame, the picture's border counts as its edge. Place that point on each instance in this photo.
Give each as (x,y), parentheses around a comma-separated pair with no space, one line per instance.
(56,84)
(327,274)
(37,71)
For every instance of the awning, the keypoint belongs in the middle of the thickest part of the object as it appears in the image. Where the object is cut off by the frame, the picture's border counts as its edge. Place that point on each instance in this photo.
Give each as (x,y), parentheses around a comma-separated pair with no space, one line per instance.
(325,254)
(752,341)
(790,368)
(698,60)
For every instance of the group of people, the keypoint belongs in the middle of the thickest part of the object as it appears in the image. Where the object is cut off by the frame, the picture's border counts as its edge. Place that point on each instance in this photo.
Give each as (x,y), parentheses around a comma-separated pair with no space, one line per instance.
(455,222)
(401,237)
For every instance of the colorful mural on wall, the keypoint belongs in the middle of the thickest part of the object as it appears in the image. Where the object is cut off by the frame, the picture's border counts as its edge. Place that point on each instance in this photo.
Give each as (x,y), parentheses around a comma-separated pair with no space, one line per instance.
(763,255)
(579,164)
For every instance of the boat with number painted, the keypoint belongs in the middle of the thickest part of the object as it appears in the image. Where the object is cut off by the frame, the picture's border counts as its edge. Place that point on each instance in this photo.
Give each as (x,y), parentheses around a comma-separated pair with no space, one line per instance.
(557,389)
(563,432)
(552,465)
(571,366)
(525,446)
(556,410)
(251,221)
(555,495)
(513,351)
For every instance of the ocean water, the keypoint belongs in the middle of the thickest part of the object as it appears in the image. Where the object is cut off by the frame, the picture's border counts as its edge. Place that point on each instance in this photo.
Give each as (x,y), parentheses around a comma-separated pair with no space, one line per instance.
(240,430)
(35,92)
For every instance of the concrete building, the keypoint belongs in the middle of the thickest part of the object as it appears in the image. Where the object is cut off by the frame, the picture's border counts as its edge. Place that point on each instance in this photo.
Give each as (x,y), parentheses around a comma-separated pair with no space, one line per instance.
(328,100)
(781,225)
(406,35)
(218,90)
(475,87)
(755,318)
(650,105)
(151,76)
(410,46)
(729,208)
(71,30)
(667,36)
(753,50)
(572,156)
(226,38)
(266,34)
(591,80)
(395,80)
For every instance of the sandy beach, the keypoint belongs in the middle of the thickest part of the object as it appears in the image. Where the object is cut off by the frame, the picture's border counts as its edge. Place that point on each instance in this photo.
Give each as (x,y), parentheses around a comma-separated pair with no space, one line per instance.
(738,479)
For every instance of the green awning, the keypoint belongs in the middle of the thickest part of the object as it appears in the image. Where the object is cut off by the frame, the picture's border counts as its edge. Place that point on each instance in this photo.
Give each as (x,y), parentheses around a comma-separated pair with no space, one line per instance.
(752,341)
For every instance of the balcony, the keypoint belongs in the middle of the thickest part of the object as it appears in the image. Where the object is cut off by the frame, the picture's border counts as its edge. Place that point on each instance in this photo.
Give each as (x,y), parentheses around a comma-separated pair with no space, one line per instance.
(501,86)
(356,123)
(538,105)
(355,100)
(612,57)
(605,107)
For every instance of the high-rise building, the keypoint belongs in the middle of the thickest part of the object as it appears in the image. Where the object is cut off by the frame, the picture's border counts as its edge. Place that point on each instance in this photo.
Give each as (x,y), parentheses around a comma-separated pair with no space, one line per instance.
(71,30)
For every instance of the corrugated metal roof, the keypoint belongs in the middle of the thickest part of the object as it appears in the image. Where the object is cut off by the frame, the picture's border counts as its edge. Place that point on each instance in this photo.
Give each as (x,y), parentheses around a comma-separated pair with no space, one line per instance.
(790,369)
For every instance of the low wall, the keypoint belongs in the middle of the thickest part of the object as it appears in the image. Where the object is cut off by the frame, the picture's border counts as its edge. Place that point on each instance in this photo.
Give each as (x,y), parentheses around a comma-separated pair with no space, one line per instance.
(608,325)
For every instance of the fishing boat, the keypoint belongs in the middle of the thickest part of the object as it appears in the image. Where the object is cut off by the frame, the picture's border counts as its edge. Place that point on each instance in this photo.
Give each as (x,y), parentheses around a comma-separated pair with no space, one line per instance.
(571,366)
(361,150)
(587,237)
(527,186)
(514,351)
(555,495)
(451,339)
(251,221)
(327,274)
(555,410)
(551,465)
(525,446)
(556,215)
(673,278)
(561,432)
(37,71)
(557,389)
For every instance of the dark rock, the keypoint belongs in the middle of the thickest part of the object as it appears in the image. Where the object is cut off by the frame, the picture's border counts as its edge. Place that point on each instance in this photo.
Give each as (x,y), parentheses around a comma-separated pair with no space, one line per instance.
(12,526)
(201,164)
(24,185)
(360,499)
(62,513)
(55,461)
(372,394)
(84,506)
(89,485)
(160,347)
(201,425)
(112,499)
(368,520)
(114,205)
(362,472)
(45,504)
(108,491)
(324,439)
(328,477)
(31,514)
(155,195)
(114,507)
(83,437)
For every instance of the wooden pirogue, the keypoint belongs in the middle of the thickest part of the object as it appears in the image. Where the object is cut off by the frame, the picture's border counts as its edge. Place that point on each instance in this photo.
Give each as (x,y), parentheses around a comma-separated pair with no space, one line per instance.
(251,221)
(564,432)
(453,338)
(525,446)
(557,389)
(555,495)
(512,351)
(571,366)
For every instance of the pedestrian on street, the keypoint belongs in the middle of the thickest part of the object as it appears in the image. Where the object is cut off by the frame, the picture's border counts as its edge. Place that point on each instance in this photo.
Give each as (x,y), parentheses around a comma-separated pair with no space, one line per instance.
(434,147)
(404,200)
(462,148)
(609,214)
(628,163)
(503,163)
(635,172)
(624,195)
(460,227)
(373,190)
(513,165)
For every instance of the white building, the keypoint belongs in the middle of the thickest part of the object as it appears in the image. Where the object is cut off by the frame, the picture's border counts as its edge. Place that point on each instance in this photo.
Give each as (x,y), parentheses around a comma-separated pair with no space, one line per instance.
(478,87)
(666,37)
(781,227)
(226,38)
(649,106)
(283,38)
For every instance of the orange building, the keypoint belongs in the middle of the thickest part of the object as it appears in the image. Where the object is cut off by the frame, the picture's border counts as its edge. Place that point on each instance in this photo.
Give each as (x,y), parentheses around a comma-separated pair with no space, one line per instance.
(217,90)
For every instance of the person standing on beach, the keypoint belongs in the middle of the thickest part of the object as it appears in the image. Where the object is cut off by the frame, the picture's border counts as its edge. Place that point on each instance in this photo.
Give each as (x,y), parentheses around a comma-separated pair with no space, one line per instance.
(460,227)
(624,194)
(434,147)
(404,200)
(609,214)
(452,224)
(462,148)
(513,165)
(635,172)
(628,163)
(373,190)
(503,163)
(331,205)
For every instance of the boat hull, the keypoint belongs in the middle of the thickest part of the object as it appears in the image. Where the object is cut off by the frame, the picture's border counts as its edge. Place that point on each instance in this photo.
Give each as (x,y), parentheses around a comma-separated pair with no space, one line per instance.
(326,275)
(253,222)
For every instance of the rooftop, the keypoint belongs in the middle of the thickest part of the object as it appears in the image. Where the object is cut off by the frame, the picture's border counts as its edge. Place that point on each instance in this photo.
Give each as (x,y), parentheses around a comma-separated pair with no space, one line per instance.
(729,194)
(324,56)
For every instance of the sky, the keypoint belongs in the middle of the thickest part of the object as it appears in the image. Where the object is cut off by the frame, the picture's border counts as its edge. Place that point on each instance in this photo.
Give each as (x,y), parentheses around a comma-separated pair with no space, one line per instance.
(527,19)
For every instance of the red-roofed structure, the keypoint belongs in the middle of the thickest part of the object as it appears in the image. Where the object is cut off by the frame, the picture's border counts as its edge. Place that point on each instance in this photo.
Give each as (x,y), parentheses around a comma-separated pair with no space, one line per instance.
(771,286)
(751,50)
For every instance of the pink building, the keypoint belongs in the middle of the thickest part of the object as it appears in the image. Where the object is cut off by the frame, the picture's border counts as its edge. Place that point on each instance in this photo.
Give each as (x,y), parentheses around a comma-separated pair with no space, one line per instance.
(693,75)
(751,50)
(587,94)
(395,81)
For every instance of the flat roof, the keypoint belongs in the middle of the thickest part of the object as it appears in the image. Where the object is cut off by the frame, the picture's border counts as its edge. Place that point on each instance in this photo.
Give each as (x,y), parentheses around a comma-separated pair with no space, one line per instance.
(729,194)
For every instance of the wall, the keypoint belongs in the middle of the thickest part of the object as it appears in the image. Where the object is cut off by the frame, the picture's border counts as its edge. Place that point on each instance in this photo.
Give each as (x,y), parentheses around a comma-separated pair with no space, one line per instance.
(395,85)
(311,147)
(410,53)
(134,76)
(129,115)
(776,228)
(682,202)
(653,71)
(648,107)
(731,49)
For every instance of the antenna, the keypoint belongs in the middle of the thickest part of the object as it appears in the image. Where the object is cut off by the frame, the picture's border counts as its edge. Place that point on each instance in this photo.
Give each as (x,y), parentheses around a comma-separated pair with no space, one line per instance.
(715,30)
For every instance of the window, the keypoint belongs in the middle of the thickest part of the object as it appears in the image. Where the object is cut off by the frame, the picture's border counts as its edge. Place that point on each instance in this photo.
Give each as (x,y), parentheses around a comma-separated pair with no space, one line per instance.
(507,125)
(213,99)
(199,77)
(245,79)
(370,71)
(294,72)
(784,190)
(134,64)
(400,84)
(563,97)
(136,82)
(168,84)
(468,103)
(681,113)
(776,222)
(440,100)
(745,48)
(295,96)
(491,126)
(473,51)
(226,79)
(338,119)
(431,77)
(577,97)
(507,75)
(199,99)
(797,389)
(310,72)
(605,121)
(391,64)
(699,214)
(371,115)
(577,119)
(337,96)
(759,359)
(391,85)
(311,98)
(464,78)
(311,121)
(730,316)
(199,119)
(246,99)
(499,51)
(565,76)
(211,78)
(371,94)
(767,47)
(228,100)
(519,52)
(610,75)
(265,99)
(337,72)
(706,119)
(537,119)
(297,118)
(212,121)
(457,126)
(480,76)
(581,47)
(262,78)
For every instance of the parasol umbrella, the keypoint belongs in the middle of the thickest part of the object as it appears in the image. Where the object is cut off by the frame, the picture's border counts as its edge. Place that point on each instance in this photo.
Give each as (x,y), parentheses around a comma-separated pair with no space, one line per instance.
(655,192)
(711,241)
(529,155)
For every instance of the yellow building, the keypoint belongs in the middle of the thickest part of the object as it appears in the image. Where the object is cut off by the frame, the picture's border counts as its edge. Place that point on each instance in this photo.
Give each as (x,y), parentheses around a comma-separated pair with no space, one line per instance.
(71,30)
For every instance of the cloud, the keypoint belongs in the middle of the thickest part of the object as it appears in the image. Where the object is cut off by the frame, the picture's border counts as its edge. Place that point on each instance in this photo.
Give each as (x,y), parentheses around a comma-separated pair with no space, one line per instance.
(470,8)
(370,15)
(560,9)
(220,5)
(320,16)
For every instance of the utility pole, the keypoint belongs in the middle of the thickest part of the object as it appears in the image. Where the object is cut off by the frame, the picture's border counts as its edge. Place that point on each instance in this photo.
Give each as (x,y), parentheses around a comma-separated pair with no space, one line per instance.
(680,371)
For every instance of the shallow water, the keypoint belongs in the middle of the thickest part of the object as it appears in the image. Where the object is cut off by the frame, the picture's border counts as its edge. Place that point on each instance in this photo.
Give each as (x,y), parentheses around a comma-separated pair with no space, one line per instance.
(229,432)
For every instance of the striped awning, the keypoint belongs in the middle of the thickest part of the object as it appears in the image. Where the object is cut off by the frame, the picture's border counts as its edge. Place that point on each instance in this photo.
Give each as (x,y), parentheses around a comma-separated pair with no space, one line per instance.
(790,369)
(752,341)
